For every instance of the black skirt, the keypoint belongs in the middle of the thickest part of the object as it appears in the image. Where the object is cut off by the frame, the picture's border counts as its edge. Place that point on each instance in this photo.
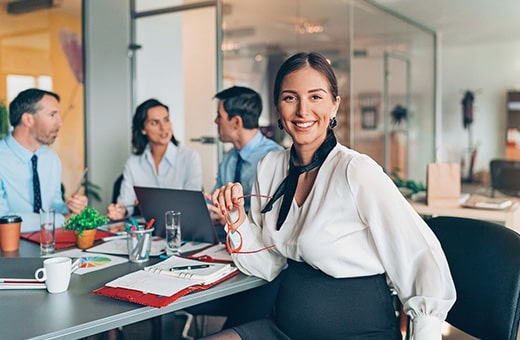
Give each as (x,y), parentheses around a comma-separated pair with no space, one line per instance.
(313,305)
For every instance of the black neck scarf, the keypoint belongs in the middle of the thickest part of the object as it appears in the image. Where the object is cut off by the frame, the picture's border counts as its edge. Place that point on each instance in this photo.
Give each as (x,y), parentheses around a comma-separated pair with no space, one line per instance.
(288,186)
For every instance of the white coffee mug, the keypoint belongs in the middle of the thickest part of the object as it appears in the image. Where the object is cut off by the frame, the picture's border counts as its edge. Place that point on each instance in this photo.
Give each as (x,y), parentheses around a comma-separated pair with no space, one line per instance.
(55,273)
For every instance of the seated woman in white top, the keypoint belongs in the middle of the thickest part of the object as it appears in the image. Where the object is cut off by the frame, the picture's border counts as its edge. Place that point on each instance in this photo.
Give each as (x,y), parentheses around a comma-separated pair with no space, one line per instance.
(157,160)
(335,228)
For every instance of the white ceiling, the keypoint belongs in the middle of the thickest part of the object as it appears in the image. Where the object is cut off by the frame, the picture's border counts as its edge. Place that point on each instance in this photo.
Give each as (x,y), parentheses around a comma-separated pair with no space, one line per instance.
(271,22)
(463,21)
(458,21)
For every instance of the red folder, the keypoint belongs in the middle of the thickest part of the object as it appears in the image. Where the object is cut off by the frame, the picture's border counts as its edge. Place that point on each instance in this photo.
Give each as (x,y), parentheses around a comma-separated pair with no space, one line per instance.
(63,238)
(152,299)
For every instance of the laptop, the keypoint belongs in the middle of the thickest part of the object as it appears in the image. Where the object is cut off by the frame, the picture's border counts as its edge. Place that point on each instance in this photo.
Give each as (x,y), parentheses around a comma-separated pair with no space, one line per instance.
(196,224)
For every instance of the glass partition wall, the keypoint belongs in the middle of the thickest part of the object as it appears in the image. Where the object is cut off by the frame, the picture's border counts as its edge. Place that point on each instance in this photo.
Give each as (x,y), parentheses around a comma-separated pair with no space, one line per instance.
(174,61)
(384,64)
(385,68)
(259,36)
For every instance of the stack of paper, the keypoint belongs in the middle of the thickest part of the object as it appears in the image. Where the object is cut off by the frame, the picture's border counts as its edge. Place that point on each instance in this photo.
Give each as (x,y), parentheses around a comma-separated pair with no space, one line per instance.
(483,202)
(494,204)
(21,284)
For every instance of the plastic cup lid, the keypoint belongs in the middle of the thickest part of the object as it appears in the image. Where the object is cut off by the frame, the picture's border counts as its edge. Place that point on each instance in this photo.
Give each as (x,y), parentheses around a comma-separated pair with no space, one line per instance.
(10,219)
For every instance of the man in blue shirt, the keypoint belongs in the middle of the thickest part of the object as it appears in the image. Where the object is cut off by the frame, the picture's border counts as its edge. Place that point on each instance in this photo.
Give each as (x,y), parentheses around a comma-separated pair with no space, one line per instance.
(35,117)
(238,113)
(239,110)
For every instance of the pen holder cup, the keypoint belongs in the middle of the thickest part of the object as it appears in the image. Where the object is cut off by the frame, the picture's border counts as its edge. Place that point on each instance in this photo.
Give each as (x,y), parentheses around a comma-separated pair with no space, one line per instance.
(139,243)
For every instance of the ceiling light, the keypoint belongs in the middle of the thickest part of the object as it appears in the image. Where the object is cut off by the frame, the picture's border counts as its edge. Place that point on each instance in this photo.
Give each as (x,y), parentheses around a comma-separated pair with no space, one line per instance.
(307,27)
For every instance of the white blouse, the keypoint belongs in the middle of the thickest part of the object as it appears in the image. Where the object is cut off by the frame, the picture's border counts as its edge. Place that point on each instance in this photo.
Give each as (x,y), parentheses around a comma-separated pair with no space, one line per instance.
(354,222)
(180,168)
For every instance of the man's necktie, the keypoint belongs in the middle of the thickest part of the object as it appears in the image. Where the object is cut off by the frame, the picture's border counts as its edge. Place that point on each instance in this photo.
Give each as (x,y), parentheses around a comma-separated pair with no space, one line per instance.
(36,185)
(238,168)
(288,186)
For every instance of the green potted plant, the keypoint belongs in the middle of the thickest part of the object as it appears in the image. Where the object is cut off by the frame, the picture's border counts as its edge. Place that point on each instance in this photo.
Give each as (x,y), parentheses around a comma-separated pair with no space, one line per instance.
(84,226)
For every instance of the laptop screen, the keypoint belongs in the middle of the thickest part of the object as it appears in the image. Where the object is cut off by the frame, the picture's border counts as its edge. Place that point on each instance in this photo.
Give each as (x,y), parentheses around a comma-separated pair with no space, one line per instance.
(196,224)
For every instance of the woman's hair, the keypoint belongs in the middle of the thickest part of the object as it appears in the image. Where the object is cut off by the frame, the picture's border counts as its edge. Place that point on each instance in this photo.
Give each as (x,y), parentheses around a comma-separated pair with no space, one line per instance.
(301,60)
(139,140)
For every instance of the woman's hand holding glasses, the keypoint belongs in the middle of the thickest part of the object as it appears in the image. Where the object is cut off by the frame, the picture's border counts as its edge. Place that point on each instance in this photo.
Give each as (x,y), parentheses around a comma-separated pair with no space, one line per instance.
(230,200)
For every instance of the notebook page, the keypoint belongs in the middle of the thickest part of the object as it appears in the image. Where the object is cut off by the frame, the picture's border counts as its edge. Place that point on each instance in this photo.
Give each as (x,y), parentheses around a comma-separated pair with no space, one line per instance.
(211,272)
(147,282)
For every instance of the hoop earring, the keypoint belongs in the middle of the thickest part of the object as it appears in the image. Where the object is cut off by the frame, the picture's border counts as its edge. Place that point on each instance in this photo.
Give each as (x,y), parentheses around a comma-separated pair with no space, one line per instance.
(280,126)
(333,122)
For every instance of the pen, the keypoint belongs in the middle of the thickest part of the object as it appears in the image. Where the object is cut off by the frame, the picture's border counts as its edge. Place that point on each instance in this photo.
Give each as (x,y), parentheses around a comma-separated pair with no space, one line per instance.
(143,251)
(116,237)
(150,223)
(199,266)
(81,180)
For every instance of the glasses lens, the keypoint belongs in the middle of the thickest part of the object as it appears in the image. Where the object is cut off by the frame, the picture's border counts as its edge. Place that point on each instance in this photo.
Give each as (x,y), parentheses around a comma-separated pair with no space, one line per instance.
(234,241)
(233,216)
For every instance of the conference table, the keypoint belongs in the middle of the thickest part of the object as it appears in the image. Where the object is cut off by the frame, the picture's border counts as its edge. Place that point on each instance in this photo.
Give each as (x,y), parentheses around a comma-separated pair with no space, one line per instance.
(77,313)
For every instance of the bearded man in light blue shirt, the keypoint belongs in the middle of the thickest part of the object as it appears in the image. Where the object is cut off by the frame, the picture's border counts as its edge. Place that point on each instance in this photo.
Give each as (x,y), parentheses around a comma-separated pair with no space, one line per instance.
(35,117)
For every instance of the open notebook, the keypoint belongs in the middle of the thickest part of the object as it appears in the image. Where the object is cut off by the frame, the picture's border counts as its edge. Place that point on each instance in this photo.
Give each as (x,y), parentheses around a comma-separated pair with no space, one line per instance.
(166,281)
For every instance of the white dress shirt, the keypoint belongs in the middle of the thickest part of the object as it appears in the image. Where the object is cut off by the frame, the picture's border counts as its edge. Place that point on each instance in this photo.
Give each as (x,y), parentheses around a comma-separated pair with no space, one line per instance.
(180,168)
(354,222)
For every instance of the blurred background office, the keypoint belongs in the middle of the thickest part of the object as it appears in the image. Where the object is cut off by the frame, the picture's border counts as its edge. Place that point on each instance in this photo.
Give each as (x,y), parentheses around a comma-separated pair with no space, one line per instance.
(403,66)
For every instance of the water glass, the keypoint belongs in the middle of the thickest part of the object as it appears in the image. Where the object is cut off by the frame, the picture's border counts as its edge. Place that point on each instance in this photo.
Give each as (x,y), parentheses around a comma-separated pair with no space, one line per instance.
(47,231)
(172,223)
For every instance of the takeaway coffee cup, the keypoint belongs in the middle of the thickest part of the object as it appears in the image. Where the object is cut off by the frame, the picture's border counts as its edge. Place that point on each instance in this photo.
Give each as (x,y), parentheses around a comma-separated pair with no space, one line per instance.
(55,273)
(10,226)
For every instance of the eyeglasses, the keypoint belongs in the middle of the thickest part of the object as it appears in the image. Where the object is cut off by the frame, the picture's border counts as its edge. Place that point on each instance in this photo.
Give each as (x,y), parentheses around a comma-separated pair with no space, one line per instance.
(233,236)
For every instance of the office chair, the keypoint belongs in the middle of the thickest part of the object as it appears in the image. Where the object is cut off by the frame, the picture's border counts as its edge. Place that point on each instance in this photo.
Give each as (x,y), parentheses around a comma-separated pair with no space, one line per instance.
(115,194)
(484,260)
(505,177)
(117,188)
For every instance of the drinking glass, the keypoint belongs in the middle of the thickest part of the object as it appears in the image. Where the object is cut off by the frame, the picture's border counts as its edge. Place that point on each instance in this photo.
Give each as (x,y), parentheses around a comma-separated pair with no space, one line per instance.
(172,223)
(47,231)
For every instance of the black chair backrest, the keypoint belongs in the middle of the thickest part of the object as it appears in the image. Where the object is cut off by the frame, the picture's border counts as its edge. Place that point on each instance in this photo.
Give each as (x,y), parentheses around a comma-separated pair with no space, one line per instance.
(115,194)
(484,260)
(505,176)
(117,188)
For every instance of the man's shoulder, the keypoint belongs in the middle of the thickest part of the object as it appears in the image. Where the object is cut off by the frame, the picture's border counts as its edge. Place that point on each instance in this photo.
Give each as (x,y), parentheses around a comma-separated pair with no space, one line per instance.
(6,155)
(266,145)
(272,145)
(3,146)
(45,151)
